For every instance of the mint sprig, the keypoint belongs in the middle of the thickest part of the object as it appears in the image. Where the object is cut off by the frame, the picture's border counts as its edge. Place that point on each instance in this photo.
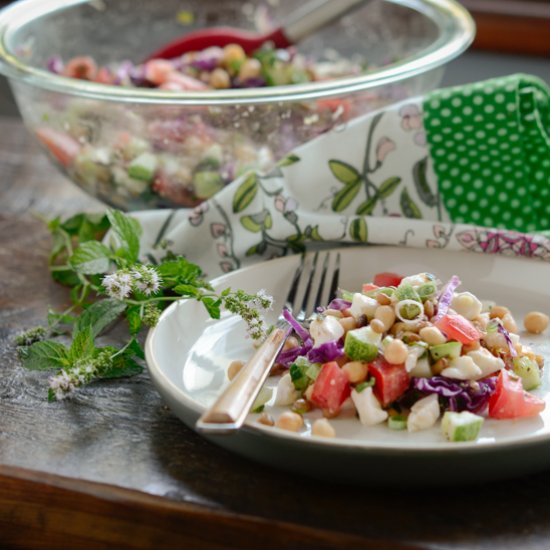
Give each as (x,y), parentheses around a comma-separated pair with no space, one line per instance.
(109,282)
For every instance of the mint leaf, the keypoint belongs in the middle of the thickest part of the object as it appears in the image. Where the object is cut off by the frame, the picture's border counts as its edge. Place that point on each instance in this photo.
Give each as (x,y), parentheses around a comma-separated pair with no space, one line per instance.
(188,291)
(212,305)
(99,316)
(180,271)
(85,226)
(133,317)
(134,348)
(45,355)
(123,366)
(91,257)
(83,345)
(55,318)
(127,230)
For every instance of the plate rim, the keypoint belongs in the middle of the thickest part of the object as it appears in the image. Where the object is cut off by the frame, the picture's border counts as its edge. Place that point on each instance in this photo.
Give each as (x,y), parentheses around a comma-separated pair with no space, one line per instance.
(159,377)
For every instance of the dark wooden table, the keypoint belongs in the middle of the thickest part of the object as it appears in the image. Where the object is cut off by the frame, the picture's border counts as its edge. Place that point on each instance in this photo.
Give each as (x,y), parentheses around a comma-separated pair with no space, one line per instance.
(114,468)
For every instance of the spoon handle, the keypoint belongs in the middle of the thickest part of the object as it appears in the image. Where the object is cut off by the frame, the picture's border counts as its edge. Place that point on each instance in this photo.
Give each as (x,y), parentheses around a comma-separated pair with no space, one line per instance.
(229,411)
(314,15)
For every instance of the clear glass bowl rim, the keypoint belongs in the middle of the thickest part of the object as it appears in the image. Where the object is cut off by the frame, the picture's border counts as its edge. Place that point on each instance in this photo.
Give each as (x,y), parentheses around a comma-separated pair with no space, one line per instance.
(456,32)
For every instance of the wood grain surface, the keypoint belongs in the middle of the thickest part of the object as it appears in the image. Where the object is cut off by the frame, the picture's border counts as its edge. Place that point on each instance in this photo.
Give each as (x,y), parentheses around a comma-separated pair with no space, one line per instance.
(134,476)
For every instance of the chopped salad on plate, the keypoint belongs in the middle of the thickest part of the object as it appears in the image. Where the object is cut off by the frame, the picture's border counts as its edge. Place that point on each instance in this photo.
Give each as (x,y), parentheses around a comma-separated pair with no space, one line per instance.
(409,352)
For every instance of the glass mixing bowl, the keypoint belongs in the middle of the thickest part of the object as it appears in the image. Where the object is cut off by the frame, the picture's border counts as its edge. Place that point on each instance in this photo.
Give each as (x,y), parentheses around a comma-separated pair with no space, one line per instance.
(142,148)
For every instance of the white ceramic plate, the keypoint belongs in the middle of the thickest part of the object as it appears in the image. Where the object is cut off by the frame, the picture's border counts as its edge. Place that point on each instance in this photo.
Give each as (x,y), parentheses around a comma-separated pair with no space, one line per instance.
(188,354)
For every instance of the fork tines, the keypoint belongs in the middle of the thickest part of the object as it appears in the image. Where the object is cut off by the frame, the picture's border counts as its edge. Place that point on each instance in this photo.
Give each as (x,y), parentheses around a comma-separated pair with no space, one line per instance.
(315,283)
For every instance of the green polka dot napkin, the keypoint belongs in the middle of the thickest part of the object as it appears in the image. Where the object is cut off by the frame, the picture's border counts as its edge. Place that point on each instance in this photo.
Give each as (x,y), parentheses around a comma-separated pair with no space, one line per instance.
(465,168)
(490,143)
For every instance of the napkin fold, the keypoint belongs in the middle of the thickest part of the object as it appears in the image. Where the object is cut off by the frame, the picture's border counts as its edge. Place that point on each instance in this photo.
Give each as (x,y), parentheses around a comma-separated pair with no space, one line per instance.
(463,168)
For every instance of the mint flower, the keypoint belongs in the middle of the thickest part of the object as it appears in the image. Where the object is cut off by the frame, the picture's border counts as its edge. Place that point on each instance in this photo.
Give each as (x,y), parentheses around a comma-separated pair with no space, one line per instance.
(146,280)
(118,285)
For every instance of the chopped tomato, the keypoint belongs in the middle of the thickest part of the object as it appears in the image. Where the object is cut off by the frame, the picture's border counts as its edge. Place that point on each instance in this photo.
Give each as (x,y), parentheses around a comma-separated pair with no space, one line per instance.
(331,388)
(368,287)
(387,279)
(392,381)
(62,146)
(457,327)
(335,105)
(510,400)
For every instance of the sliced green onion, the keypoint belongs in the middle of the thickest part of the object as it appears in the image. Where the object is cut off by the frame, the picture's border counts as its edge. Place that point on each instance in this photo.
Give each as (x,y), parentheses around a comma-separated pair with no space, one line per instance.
(263,397)
(366,384)
(409,310)
(397,422)
(426,291)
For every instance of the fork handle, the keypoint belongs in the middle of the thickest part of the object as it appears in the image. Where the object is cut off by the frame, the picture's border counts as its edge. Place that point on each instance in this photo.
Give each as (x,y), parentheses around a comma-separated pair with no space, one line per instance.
(228,412)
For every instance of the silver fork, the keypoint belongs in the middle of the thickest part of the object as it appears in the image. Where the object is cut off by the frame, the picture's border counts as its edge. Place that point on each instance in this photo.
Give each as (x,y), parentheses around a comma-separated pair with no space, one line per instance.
(229,411)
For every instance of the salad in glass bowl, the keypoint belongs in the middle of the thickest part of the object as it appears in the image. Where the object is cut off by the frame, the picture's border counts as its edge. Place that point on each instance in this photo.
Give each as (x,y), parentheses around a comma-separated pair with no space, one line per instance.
(408,352)
(173,133)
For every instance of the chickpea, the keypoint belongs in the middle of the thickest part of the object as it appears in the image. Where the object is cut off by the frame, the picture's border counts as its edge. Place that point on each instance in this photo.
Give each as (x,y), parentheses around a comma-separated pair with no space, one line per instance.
(470,347)
(348,323)
(290,343)
(301,406)
(509,323)
(232,53)
(432,336)
(290,421)
(498,311)
(540,360)
(429,309)
(234,369)
(377,326)
(251,68)
(219,79)
(440,365)
(266,419)
(322,428)
(398,328)
(356,370)
(535,322)
(396,352)
(383,299)
(386,314)
(333,312)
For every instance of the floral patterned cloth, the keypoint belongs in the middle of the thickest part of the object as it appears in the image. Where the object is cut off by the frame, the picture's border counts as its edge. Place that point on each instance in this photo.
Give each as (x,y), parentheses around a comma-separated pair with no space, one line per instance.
(390,177)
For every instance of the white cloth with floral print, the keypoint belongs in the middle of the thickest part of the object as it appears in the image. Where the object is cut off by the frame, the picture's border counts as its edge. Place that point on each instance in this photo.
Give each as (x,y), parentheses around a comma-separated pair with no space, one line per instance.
(370,182)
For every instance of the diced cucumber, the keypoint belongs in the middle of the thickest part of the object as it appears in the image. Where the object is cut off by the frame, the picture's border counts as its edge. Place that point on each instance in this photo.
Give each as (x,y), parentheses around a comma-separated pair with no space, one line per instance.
(207,183)
(313,371)
(143,167)
(529,372)
(303,372)
(262,398)
(361,344)
(397,422)
(448,349)
(461,426)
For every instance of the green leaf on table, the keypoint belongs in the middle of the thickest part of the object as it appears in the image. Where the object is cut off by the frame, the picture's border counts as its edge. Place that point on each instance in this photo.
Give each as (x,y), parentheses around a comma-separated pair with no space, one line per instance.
(388,186)
(358,230)
(123,366)
(134,320)
(409,207)
(344,172)
(245,193)
(366,207)
(65,277)
(343,198)
(83,345)
(44,355)
(421,183)
(86,226)
(99,315)
(134,348)
(91,257)
(56,318)
(128,231)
